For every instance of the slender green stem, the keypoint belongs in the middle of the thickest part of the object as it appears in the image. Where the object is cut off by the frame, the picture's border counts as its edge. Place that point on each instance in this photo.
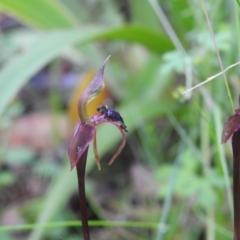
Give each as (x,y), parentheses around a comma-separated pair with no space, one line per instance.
(168,27)
(237,25)
(98,223)
(81,166)
(217,52)
(168,200)
(206,156)
(222,158)
(236,183)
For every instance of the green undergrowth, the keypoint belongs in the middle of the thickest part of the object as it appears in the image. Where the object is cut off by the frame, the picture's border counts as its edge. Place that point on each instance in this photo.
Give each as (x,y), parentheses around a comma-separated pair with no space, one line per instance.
(173,152)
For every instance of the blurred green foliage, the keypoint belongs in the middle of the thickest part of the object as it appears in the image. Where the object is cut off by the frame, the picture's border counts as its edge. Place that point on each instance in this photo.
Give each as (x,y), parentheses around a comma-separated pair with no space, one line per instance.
(175,137)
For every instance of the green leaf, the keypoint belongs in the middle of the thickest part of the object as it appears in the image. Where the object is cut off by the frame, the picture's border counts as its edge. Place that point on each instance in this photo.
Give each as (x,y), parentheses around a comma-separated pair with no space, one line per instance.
(16,73)
(46,14)
(138,34)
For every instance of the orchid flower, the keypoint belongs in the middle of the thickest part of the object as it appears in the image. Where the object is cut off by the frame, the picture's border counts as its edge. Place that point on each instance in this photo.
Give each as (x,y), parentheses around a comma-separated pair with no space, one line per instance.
(85,129)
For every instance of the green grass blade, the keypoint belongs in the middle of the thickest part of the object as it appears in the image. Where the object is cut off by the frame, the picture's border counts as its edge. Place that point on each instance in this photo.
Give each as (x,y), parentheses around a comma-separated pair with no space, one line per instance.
(125,224)
(224,165)
(46,14)
(168,200)
(15,74)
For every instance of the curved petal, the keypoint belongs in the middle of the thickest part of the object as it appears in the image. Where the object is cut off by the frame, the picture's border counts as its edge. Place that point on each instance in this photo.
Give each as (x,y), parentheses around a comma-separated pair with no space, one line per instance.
(93,89)
(96,152)
(123,138)
(82,136)
(231,126)
(120,147)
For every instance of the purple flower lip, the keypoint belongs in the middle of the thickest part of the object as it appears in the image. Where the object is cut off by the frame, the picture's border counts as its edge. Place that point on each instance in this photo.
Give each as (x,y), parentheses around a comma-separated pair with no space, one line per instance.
(232,125)
(85,129)
(83,135)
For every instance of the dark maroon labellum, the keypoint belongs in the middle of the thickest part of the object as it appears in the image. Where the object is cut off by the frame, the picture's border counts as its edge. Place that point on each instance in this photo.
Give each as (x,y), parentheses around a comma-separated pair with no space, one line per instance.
(231,126)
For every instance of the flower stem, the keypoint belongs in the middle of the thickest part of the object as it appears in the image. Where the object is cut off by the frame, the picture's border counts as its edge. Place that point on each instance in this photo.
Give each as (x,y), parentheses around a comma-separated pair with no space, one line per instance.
(81,166)
(236,183)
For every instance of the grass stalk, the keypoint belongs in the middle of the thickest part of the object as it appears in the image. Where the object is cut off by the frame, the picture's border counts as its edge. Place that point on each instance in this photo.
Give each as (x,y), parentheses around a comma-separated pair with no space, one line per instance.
(61,224)
(223,161)
(217,52)
(206,158)
(168,199)
(168,27)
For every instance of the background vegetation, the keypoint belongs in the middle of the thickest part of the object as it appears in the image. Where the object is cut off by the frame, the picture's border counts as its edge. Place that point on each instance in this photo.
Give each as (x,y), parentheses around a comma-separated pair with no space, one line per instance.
(173,180)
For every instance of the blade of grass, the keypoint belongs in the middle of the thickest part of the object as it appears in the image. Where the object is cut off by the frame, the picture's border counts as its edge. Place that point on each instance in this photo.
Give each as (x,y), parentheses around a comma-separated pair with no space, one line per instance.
(217,52)
(171,33)
(47,225)
(168,200)
(206,160)
(184,136)
(225,232)
(176,41)
(15,74)
(237,24)
(218,130)
(211,78)
(168,28)
(46,14)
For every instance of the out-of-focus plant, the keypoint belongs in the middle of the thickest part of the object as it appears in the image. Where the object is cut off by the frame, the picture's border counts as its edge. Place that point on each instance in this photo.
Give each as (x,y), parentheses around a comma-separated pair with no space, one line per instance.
(140,72)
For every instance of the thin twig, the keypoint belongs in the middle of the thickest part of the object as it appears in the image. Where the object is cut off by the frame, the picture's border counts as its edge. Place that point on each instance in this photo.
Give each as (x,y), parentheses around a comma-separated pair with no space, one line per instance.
(211,78)
(217,51)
